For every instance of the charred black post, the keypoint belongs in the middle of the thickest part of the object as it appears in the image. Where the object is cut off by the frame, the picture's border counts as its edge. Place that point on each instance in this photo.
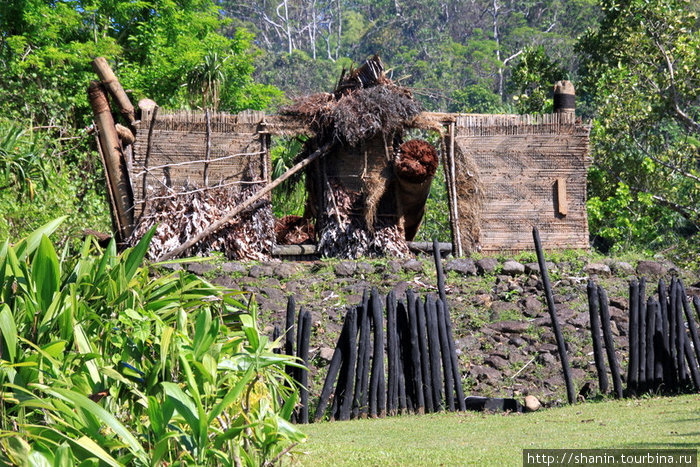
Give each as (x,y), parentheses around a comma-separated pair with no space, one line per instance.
(446,357)
(665,355)
(561,345)
(361,399)
(289,333)
(609,343)
(692,327)
(681,338)
(696,304)
(404,357)
(633,339)
(424,356)
(434,351)
(416,376)
(641,340)
(594,313)
(391,355)
(276,333)
(303,354)
(344,392)
(456,374)
(377,389)
(333,368)
(651,309)
(673,337)
(659,349)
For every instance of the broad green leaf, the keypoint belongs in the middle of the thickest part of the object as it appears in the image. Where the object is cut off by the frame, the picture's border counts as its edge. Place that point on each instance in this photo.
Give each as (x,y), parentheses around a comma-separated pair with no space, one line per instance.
(83,344)
(165,340)
(31,242)
(17,449)
(37,459)
(9,332)
(46,273)
(92,447)
(183,404)
(79,400)
(64,456)
(232,395)
(136,255)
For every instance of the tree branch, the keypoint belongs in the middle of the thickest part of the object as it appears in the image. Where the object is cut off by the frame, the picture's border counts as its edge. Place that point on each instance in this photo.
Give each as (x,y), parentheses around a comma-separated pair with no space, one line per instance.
(684,118)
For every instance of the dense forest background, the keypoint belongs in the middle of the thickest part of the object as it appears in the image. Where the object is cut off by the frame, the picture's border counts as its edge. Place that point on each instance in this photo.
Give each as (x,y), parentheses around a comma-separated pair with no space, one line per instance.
(635,65)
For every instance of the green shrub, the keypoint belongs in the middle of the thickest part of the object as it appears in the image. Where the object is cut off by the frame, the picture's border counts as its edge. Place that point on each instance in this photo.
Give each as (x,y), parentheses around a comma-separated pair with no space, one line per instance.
(102,363)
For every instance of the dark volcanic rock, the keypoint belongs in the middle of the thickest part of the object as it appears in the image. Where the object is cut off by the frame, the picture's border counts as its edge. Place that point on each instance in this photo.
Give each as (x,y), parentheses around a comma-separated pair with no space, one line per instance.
(486,265)
(199,268)
(515,327)
(599,269)
(651,268)
(413,265)
(234,267)
(513,268)
(464,266)
(345,268)
(260,271)
(485,373)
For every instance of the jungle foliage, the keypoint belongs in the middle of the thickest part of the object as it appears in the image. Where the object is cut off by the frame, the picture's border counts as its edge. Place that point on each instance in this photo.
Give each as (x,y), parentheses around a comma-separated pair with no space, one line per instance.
(104,364)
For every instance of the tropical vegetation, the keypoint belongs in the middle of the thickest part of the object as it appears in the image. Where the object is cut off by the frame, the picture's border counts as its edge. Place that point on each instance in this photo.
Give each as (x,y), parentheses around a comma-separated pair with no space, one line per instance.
(104,363)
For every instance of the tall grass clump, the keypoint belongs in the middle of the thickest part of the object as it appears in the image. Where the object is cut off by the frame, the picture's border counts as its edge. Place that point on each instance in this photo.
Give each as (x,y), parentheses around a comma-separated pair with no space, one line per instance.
(104,363)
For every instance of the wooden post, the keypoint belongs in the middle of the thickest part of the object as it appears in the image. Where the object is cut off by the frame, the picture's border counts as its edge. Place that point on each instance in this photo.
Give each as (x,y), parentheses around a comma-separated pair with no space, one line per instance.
(651,307)
(424,354)
(377,388)
(434,351)
(593,310)
(633,339)
(391,355)
(610,343)
(641,341)
(561,345)
(343,393)
(403,357)
(120,192)
(110,81)
(303,354)
(415,375)
(446,357)
(333,368)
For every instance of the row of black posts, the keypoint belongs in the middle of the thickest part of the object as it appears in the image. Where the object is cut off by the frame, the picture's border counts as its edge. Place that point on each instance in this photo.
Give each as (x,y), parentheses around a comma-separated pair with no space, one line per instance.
(422,368)
(664,348)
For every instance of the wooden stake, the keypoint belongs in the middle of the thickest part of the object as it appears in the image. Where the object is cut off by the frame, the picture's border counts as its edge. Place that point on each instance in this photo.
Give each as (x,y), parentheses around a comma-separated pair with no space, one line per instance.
(120,192)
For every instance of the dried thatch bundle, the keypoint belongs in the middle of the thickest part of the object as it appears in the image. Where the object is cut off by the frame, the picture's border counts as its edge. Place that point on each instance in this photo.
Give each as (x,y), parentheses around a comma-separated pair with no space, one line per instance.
(294,230)
(181,216)
(345,233)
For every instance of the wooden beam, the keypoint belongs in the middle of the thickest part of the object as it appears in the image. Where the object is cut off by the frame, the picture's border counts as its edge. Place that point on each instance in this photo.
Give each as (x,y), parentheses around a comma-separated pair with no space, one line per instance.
(110,81)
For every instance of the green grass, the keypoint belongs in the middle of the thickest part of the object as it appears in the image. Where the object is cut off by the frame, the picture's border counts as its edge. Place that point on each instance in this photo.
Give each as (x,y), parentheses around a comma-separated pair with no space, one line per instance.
(474,438)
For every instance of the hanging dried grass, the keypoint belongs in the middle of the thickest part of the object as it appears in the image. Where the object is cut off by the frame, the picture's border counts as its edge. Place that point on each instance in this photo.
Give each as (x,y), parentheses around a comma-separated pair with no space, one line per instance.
(345,234)
(180,216)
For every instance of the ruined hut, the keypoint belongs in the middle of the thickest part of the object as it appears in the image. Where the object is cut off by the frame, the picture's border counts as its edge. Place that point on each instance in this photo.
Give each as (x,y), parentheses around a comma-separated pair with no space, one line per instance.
(204,178)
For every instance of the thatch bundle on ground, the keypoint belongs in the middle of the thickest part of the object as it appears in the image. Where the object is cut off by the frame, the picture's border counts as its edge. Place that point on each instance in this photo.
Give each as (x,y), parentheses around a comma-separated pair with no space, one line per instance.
(181,215)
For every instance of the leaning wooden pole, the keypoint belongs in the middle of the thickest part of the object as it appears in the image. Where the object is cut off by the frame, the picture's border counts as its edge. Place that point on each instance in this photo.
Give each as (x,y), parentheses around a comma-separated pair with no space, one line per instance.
(115,89)
(561,345)
(120,192)
(246,204)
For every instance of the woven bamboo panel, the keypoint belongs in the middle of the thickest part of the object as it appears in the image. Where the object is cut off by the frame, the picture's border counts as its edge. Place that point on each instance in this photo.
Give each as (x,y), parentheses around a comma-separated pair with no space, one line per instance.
(521,160)
(177,155)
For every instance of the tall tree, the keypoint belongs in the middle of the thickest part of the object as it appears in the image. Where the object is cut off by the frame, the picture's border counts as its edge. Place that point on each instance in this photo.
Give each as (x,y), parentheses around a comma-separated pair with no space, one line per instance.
(642,70)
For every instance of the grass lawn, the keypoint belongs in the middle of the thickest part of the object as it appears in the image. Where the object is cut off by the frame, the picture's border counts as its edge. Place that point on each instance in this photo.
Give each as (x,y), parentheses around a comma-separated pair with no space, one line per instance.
(494,439)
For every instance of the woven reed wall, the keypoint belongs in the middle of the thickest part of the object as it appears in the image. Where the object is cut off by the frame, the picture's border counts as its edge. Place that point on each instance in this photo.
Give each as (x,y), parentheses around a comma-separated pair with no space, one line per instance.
(519,160)
(178,145)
